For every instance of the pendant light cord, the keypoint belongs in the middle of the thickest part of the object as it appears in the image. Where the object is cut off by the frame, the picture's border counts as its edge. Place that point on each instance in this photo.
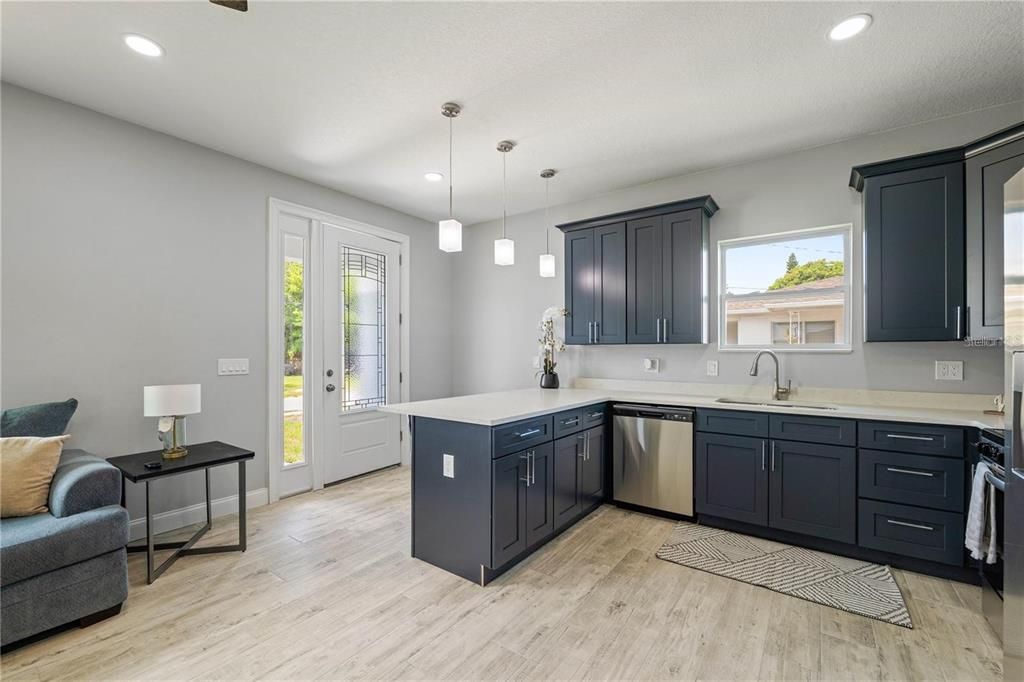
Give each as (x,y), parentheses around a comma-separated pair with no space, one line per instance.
(547,224)
(504,193)
(451,180)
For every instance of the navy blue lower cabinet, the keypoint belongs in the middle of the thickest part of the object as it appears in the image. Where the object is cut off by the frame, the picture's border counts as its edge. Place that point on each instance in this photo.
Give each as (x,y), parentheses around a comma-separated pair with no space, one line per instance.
(731,474)
(540,518)
(592,468)
(566,479)
(508,513)
(813,490)
(927,534)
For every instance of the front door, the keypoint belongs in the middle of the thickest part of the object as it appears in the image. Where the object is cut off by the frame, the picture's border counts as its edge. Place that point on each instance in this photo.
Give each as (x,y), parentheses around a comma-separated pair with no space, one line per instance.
(361,352)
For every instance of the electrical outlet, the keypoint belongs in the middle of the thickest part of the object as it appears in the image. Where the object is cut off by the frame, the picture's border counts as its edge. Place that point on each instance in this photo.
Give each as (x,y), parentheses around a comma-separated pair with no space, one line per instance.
(232,366)
(949,370)
(712,368)
(650,364)
(448,465)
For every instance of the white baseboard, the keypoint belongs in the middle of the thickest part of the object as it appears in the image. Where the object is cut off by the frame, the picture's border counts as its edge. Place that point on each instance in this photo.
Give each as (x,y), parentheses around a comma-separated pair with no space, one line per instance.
(196,513)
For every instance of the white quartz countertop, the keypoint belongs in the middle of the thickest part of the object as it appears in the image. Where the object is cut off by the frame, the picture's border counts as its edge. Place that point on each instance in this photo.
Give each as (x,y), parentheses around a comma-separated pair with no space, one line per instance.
(503,407)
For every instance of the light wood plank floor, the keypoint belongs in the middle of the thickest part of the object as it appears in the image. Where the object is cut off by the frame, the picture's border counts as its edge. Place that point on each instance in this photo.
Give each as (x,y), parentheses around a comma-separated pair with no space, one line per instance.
(327,589)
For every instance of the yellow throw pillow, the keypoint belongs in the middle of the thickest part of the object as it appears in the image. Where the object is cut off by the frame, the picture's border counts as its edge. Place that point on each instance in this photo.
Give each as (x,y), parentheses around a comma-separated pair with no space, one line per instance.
(27,466)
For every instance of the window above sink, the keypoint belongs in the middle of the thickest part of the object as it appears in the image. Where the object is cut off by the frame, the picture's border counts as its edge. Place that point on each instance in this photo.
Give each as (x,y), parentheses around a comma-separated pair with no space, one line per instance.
(789,291)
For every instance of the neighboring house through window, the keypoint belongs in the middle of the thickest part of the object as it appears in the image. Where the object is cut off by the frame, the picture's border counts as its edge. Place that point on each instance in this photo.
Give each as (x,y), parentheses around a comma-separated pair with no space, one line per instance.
(788,291)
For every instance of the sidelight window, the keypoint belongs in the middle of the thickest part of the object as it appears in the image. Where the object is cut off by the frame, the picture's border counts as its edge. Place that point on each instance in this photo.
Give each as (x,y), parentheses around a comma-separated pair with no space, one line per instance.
(788,291)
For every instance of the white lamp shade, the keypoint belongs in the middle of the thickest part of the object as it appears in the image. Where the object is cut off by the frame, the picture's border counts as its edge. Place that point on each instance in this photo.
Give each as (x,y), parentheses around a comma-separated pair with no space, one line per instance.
(171,401)
(449,235)
(547,265)
(504,252)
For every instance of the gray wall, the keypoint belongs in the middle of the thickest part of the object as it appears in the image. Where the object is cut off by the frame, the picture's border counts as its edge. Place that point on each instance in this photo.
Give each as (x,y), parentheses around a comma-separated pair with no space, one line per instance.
(133,258)
(498,308)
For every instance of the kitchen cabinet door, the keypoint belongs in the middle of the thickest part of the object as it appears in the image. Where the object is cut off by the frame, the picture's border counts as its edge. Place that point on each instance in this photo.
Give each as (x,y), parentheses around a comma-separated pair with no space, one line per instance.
(645,285)
(592,468)
(684,277)
(610,283)
(731,477)
(540,520)
(579,286)
(508,512)
(986,174)
(914,255)
(566,479)
(813,490)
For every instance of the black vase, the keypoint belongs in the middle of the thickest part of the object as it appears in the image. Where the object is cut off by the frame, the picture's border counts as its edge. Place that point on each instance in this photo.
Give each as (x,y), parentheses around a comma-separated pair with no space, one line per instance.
(549,380)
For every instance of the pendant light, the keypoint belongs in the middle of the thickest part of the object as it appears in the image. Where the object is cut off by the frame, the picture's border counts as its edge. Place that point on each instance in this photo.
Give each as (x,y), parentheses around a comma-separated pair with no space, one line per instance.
(504,248)
(547,259)
(449,232)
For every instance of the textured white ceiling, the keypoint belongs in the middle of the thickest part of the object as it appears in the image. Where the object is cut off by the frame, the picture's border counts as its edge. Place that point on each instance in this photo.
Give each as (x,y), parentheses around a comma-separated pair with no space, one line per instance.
(611,94)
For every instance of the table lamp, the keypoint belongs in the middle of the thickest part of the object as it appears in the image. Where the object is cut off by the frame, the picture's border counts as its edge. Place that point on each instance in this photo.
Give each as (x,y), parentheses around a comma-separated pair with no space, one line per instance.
(171,404)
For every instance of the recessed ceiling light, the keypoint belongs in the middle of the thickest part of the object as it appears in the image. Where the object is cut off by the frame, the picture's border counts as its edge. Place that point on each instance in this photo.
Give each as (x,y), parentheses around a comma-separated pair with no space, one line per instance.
(433,176)
(849,27)
(143,45)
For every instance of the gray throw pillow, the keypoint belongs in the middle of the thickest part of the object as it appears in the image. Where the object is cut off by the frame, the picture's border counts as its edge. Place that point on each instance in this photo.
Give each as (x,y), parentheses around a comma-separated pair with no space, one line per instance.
(44,420)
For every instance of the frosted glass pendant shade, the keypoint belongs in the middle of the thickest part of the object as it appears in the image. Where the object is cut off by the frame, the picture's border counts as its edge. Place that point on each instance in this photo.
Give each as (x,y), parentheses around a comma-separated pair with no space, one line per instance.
(547,265)
(504,252)
(449,235)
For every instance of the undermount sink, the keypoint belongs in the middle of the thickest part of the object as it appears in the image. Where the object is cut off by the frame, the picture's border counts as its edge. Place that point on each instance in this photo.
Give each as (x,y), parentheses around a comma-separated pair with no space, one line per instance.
(774,403)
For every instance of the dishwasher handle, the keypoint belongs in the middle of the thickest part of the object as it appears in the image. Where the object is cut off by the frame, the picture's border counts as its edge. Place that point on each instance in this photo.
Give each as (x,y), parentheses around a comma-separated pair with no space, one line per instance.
(677,414)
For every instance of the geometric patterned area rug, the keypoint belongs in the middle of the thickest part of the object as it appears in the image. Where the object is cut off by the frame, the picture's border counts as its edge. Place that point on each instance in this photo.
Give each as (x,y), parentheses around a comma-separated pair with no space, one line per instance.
(855,586)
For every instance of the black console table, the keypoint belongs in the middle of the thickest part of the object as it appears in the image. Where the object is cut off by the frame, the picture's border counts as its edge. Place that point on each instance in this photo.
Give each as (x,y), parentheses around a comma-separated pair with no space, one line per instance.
(203,456)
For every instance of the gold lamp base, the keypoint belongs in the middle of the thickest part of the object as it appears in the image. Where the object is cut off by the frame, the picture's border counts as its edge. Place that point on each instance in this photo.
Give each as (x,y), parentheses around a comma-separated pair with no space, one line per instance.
(175,453)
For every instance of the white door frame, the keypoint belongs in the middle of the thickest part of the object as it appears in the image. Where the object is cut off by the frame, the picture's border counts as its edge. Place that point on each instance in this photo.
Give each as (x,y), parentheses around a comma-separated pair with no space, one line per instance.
(313,359)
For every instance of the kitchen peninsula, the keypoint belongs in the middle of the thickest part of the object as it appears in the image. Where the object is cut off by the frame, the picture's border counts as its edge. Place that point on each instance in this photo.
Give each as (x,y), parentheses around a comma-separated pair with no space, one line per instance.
(497,475)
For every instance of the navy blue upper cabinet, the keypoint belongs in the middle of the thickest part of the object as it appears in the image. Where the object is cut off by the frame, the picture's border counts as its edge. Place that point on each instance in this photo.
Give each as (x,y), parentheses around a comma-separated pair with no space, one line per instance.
(595,285)
(639,276)
(990,163)
(914,247)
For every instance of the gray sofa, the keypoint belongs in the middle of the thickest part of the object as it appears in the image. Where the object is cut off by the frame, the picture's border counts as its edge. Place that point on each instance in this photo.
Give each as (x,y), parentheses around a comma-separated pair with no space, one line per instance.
(69,565)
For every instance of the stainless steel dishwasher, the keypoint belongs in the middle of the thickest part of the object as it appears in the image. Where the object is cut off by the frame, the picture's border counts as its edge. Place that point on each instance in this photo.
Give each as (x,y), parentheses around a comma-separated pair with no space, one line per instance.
(652,457)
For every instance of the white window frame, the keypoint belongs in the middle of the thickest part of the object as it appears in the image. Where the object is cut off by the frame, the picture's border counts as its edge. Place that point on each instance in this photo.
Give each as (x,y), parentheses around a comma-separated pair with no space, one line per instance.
(846,346)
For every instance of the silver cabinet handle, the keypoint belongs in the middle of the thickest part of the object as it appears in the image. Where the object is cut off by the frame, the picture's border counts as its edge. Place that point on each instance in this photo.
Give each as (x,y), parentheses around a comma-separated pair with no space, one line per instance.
(525,457)
(773,455)
(958,322)
(527,434)
(597,332)
(896,470)
(590,332)
(664,334)
(582,452)
(657,329)
(764,461)
(595,415)
(906,437)
(586,448)
(571,422)
(909,525)
(533,466)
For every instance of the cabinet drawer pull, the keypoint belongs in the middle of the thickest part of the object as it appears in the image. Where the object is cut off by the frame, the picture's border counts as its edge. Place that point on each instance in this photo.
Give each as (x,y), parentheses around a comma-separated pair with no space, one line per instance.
(595,415)
(906,437)
(909,525)
(657,329)
(527,434)
(571,422)
(763,461)
(910,471)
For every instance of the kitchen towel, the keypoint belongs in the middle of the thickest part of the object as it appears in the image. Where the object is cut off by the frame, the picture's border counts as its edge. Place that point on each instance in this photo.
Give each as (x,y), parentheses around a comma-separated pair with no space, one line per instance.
(980,536)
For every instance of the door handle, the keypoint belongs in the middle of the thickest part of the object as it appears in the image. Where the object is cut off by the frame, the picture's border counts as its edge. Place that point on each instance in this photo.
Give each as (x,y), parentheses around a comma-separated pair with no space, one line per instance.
(329,388)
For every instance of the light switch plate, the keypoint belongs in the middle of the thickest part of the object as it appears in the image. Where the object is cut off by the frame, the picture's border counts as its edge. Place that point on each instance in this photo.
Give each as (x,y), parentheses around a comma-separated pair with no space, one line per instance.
(650,364)
(949,370)
(448,465)
(232,366)
(712,368)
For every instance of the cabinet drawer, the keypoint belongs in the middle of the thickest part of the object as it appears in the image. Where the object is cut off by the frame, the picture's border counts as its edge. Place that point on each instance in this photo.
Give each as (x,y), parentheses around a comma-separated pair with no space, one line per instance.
(593,415)
(814,429)
(567,422)
(910,531)
(733,422)
(918,439)
(936,482)
(521,435)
